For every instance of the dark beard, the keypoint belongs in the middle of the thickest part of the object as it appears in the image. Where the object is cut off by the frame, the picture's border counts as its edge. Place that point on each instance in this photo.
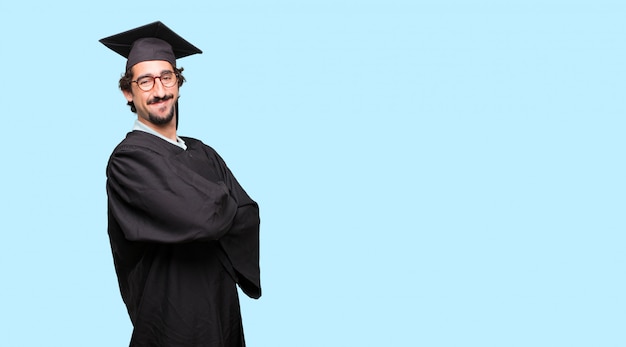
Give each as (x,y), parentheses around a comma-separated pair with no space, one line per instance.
(161,121)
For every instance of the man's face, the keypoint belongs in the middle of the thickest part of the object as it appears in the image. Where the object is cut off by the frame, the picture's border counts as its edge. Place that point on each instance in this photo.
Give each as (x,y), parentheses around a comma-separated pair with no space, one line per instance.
(155,106)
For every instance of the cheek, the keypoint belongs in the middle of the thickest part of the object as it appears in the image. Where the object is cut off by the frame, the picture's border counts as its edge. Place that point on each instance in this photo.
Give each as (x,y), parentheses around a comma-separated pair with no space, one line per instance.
(140,98)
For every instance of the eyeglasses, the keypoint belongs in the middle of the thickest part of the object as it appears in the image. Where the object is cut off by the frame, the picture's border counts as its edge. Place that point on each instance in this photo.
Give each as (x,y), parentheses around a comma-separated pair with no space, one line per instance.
(146,83)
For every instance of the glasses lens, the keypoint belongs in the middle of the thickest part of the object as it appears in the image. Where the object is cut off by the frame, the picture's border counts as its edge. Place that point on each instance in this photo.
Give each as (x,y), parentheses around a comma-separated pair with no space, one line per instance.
(145,83)
(168,79)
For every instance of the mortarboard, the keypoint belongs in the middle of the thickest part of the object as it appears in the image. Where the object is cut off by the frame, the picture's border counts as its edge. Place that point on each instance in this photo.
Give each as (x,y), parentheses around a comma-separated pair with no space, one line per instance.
(153,41)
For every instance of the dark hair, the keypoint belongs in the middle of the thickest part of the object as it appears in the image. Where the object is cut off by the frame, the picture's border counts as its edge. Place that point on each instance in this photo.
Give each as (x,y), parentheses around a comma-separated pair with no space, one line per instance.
(127,80)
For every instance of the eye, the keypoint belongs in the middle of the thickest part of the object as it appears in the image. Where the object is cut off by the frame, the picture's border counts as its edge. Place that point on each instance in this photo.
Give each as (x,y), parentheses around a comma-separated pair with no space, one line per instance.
(144,81)
(167,76)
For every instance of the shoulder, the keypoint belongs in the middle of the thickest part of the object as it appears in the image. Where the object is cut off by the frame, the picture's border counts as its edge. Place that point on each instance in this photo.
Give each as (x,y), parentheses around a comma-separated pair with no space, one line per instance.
(138,148)
(137,139)
(142,141)
(191,141)
(209,152)
(199,145)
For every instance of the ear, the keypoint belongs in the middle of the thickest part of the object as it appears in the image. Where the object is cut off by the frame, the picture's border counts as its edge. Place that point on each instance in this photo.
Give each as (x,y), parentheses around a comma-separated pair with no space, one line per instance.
(128,95)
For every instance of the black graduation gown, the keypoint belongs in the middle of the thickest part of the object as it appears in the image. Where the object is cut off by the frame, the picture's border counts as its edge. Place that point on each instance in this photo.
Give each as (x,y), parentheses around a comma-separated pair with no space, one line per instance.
(183,233)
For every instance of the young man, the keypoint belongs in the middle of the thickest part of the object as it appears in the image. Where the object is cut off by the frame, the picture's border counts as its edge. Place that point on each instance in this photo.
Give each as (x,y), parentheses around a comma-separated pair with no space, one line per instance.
(183,232)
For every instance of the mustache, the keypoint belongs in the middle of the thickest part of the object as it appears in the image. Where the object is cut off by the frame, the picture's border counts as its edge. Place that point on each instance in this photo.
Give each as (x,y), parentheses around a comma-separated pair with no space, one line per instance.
(159,99)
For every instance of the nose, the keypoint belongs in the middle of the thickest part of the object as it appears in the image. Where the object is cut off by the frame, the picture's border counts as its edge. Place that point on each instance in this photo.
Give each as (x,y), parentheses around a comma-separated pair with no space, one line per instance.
(158,88)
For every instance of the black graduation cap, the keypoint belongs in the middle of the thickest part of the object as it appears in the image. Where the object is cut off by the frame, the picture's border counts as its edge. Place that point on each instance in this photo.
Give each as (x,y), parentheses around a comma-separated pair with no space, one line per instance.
(153,41)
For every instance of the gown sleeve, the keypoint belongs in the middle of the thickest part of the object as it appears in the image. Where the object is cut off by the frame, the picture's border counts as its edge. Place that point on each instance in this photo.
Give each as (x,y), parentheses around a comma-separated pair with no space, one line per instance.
(155,200)
(241,243)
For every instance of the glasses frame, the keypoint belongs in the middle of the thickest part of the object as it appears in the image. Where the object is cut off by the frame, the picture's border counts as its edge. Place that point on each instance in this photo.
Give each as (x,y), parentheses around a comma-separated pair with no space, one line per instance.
(175,79)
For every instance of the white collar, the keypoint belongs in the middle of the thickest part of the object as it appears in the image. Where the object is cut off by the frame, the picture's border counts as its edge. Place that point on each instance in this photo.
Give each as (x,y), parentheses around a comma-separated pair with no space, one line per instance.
(142,127)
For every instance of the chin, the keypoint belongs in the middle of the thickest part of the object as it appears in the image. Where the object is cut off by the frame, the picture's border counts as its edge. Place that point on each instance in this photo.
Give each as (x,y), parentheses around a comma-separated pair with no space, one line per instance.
(161,120)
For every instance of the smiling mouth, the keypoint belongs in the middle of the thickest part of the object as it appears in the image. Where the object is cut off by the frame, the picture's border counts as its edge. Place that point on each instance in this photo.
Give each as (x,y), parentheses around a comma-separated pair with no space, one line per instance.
(160,100)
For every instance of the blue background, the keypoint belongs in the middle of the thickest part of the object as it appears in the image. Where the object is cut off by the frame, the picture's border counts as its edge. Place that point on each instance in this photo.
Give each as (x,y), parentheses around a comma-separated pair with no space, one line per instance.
(430,173)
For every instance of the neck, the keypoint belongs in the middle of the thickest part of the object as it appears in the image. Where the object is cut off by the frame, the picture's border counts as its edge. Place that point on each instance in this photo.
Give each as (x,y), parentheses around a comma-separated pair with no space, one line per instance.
(168,130)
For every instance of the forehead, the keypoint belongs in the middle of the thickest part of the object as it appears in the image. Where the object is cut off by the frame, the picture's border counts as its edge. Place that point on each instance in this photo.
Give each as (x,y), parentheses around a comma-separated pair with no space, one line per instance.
(151,67)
